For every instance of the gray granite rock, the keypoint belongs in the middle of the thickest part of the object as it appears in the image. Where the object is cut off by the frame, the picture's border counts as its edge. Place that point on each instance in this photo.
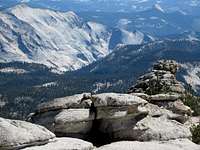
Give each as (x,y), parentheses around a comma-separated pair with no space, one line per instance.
(156,128)
(111,111)
(180,144)
(64,144)
(117,112)
(16,134)
(75,101)
(67,122)
(116,99)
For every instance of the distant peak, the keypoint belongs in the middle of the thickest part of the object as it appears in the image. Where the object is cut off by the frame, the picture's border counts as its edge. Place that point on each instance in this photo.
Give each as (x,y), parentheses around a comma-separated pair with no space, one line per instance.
(158,8)
(71,13)
(25,1)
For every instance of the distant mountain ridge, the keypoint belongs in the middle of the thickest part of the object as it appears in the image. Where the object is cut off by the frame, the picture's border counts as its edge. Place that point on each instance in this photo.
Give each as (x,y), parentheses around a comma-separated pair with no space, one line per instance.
(155,21)
(58,40)
(186,6)
(127,62)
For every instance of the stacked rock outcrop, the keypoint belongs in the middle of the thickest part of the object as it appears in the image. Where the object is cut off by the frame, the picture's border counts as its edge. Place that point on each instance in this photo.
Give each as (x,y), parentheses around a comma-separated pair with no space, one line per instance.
(161,79)
(161,87)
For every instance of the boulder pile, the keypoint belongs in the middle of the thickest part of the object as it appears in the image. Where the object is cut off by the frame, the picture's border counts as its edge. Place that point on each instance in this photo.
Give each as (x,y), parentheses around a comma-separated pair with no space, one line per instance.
(103,116)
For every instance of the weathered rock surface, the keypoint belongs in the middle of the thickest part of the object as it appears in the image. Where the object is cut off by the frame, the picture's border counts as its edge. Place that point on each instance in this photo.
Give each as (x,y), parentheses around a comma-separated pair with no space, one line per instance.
(113,105)
(159,129)
(108,113)
(141,95)
(183,144)
(115,99)
(116,112)
(16,134)
(174,104)
(67,122)
(156,111)
(64,144)
(192,121)
(75,101)
(68,116)
(74,122)
(164,97)
(114,116)
(179,108)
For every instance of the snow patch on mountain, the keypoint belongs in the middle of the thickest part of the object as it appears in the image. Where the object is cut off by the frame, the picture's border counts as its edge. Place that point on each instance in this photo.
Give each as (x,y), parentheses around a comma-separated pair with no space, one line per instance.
(193,75)
(125,37)
(159,8)
(59,40)
(131,37)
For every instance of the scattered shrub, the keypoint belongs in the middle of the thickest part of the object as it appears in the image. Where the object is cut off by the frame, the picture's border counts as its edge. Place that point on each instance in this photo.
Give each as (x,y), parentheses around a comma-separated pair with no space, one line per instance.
(193,102)
(195,129)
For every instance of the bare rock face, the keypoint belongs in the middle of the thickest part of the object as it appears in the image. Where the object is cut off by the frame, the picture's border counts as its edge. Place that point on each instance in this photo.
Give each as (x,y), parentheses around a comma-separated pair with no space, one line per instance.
(68,116)
(157,129)
(164,97)
(73,122)
(179,108)
(64,144)
(104,115)
(192,121)
(156,111)
(16,134)
(180,144)
(111,117)
(115,100)
(115,113)
(75,101)
(171,102)
(113,105)
(160,125)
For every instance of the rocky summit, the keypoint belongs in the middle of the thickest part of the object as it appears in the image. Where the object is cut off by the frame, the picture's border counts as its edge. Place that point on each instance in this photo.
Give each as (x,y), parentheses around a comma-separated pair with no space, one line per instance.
(161,79)
(110,121)
(160,87)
